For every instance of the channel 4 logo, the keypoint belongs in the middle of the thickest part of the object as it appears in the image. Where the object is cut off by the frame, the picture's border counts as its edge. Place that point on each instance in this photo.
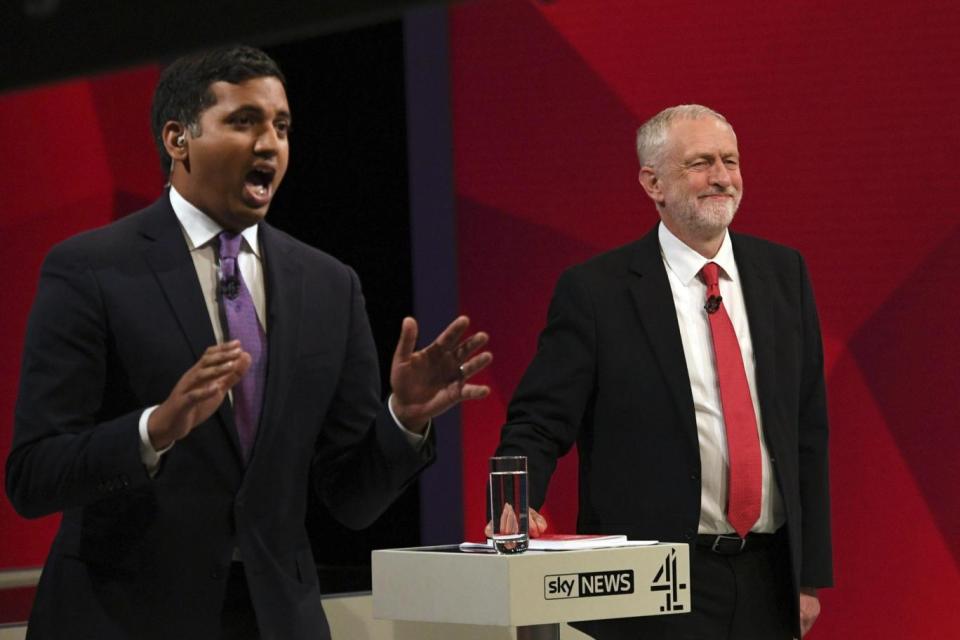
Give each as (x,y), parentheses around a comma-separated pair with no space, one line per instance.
(587,585)
(666,580)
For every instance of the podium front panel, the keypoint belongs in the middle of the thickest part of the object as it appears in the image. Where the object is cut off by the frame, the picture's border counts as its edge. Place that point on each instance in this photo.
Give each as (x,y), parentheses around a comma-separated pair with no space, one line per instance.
(441,584)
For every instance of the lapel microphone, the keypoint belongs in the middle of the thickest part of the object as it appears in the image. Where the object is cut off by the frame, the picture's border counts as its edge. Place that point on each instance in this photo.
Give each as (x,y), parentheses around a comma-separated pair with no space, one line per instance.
(230,287)
(712,304)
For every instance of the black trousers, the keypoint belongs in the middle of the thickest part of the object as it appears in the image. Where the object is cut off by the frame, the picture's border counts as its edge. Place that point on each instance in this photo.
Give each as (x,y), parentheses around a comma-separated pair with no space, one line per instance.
(747,596)
(238,621)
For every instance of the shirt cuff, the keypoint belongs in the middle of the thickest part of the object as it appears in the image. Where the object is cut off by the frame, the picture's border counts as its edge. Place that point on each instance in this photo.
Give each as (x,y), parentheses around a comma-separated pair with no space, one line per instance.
(149,455)
(416,440)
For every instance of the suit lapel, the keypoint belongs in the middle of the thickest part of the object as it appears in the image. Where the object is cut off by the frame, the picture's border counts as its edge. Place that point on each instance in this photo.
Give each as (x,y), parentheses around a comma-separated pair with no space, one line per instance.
(170,260)
(757,295)
(173,267)
(654,303)
(284,286)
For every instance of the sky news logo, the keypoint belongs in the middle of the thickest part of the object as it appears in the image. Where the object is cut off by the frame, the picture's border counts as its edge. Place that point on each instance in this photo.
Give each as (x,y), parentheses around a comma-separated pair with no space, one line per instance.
(586,585)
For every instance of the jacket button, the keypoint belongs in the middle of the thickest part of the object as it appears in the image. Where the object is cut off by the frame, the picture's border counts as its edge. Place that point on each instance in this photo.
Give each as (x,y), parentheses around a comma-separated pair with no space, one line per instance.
(216,573)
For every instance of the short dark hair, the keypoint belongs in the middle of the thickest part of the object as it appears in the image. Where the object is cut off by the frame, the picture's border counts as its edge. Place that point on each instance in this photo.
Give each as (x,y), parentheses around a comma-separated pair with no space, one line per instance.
(183,91)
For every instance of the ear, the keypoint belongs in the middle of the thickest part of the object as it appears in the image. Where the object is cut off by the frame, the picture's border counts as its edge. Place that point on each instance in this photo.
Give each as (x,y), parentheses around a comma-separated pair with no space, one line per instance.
(651,184)
(174,136)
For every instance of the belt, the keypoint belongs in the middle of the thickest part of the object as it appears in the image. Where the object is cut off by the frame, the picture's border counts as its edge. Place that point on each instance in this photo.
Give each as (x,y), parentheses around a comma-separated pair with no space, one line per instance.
(731,545)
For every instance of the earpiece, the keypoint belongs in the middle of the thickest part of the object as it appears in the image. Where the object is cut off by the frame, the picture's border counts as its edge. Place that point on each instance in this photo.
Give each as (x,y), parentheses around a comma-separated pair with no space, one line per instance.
(181,141)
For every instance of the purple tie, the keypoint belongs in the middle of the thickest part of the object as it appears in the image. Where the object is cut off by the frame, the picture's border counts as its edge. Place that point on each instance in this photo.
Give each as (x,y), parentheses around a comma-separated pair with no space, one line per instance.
(242,325)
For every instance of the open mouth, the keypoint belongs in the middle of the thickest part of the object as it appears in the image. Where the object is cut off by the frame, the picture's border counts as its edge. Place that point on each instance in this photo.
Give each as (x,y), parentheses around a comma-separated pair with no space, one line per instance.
(259,185)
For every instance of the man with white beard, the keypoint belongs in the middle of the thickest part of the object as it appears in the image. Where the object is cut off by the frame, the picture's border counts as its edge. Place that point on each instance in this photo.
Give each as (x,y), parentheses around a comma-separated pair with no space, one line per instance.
(687,367)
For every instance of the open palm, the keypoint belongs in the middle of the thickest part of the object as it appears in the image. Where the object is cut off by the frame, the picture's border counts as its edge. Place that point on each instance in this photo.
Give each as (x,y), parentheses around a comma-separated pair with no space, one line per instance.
(429,381)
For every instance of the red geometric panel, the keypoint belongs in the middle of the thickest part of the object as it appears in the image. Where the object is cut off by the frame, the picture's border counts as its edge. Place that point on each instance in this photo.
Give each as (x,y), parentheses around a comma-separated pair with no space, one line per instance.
(15,604)
(125,127)
(538,135)
(895,575)
(512,312)
(60,156)
(80,155)
(848,154)
(909,353)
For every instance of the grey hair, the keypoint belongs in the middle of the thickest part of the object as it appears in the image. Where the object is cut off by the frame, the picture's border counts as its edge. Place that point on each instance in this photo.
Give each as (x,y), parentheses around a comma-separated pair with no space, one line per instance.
(652,134)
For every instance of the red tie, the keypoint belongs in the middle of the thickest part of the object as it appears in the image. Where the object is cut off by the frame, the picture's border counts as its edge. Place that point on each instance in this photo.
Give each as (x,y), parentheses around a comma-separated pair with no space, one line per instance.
(743,442)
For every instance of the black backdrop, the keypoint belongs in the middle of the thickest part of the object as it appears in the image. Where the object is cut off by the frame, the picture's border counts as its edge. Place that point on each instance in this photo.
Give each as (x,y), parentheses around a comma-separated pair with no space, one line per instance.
(346,193)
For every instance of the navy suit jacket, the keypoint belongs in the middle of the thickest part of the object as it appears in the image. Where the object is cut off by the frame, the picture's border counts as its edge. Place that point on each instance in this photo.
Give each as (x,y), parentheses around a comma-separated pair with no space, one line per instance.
(118,318)
(610,376)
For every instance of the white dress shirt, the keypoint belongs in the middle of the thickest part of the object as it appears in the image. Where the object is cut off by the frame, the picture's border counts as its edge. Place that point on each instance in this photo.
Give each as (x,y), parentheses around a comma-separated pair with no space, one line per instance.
(683,265)
(201,235)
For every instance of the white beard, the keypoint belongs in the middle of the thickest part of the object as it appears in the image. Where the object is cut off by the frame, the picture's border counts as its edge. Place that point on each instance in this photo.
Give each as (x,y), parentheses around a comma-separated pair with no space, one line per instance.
(704,219)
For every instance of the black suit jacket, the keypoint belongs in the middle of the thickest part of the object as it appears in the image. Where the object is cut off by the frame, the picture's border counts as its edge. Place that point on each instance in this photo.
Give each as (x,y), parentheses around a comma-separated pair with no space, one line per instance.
(118,318)
(610,376)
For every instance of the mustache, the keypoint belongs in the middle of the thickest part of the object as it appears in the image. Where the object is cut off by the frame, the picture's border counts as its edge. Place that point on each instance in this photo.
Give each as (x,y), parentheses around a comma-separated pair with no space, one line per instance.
(729,191)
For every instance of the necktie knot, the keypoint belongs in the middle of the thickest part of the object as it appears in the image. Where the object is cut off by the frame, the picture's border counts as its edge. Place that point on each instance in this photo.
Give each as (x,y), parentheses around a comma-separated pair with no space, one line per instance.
(711,277)
(711,274)
(229,250)
(229,244)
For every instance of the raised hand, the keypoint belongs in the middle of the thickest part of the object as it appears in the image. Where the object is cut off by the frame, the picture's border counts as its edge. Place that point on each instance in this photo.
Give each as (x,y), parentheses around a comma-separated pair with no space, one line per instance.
(198,393)
(429,381)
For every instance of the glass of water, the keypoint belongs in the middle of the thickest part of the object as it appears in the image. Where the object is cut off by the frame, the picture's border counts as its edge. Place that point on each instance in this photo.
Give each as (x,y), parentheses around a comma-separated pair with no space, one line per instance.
(508,503)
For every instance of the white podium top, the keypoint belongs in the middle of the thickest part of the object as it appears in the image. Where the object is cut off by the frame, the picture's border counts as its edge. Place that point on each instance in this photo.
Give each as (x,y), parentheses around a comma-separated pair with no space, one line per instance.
(442,584)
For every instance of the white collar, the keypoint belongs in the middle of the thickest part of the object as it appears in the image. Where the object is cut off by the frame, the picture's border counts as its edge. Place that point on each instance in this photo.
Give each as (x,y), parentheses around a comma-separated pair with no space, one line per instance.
(201,228)
(686,263)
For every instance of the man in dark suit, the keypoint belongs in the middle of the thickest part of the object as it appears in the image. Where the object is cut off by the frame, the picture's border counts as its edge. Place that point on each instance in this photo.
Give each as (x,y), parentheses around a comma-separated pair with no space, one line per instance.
(190,373)
(696,402)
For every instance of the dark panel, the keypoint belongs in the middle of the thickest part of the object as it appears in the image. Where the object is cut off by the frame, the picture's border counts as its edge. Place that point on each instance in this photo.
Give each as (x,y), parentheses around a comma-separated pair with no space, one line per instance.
(46,40)
(346,193)
(433,233)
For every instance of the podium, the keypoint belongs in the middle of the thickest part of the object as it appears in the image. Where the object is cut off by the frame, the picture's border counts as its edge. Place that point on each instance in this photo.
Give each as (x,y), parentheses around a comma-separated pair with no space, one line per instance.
(533,591)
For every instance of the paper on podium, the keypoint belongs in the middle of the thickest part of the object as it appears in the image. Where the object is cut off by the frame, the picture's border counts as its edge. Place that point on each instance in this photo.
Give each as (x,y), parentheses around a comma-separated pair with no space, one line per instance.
(564,542)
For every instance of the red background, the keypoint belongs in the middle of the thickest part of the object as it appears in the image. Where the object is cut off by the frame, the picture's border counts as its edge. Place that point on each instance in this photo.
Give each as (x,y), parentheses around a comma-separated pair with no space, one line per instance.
(849,144)
(849,150)
(78,154)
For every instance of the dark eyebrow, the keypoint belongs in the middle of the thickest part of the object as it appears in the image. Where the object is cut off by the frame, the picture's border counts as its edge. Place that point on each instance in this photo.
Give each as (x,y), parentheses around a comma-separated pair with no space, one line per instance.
(252,108)
(247,107)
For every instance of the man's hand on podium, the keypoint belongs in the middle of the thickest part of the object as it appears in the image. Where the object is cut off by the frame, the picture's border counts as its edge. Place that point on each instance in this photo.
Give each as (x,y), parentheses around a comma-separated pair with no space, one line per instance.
(537,524)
